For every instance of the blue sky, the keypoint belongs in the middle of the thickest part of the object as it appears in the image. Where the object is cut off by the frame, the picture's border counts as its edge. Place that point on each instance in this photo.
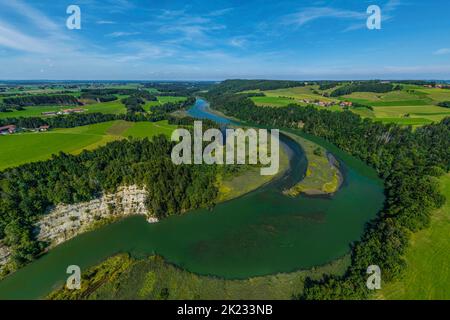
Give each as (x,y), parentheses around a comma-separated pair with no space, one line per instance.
(216,39)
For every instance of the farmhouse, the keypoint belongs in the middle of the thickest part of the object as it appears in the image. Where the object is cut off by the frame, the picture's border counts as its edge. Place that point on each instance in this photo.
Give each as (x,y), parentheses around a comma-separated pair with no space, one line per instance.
(70,111)
(346,104)
(49,113)
(9,129)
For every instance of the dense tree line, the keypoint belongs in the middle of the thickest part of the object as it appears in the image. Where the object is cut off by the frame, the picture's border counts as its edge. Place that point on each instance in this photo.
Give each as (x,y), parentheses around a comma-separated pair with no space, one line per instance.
(325,85)
(40,100)
(178,88)
(445,104)
(408,161)
(232,86)
(109,91)
(366,86)
(98,97)
(28,191)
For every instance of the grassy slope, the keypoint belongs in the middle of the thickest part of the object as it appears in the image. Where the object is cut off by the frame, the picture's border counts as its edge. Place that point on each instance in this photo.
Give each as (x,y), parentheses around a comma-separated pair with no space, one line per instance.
(27,147)
(411,106)
(428,273)
(416,107)
(284,97)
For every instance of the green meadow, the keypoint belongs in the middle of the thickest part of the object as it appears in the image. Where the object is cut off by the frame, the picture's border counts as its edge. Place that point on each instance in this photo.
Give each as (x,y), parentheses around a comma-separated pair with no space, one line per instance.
(111,107)
(162,100)
(413,105)
(427,275)
(22,148)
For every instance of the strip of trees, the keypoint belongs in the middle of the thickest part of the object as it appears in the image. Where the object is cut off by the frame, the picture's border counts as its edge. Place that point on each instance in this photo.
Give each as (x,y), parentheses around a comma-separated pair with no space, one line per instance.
(367,86)
(408,161)
(41,100)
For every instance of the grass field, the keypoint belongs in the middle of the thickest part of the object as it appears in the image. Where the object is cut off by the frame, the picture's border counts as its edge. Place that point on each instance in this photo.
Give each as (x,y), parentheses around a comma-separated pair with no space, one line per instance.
(111,107)
(22,148)
(427,275)
(162,100)
(413,105)
(273,101)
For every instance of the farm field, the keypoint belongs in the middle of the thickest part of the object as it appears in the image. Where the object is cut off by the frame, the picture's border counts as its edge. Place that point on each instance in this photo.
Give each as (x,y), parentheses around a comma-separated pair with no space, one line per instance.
(427,275)
(396,96)
(162,100)
(411,106)
(283,97)
(28,147)
(111,107)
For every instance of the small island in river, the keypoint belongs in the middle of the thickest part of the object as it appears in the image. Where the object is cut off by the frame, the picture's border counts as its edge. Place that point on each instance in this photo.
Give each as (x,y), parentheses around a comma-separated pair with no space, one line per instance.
(322,176)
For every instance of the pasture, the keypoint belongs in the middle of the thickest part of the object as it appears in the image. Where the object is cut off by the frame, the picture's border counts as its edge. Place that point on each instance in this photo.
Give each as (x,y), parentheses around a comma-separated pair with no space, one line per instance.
(427,275)
(22,148)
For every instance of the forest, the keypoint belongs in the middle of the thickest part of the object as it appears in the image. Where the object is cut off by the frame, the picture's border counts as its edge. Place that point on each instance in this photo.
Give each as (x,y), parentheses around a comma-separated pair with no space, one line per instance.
(40,100)
(408,161)
(232,86)
(28,191)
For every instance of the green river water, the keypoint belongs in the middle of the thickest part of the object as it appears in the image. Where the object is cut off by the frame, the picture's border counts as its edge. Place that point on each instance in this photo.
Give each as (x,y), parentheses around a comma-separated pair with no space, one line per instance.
(263,232)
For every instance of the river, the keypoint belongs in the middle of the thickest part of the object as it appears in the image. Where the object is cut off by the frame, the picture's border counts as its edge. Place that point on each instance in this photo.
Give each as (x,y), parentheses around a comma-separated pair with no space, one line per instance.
(260,233)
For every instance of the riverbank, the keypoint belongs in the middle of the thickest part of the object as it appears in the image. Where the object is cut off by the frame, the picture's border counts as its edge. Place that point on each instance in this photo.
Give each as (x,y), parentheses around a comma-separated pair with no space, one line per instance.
(123,278)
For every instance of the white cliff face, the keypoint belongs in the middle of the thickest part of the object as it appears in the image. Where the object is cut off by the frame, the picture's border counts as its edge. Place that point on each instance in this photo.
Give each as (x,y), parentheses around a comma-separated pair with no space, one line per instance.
(66,221)
(4,254)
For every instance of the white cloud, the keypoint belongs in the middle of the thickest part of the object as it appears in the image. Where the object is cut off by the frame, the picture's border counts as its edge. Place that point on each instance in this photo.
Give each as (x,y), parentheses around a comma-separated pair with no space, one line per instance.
(105,22)
(35,16)
(13,39)
(307,15)
(442,51)
(238,42)
(118,34)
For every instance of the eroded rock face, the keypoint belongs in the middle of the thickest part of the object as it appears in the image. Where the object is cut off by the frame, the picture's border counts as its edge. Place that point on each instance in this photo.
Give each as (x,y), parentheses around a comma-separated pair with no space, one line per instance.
(66,221)
(4,254)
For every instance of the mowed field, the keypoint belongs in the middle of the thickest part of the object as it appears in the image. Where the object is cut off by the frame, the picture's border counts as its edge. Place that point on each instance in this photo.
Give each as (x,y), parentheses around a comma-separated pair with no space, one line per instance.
(284,97)
(427,275)
(413,105)
(162,100)
(22,148)
(111,107)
